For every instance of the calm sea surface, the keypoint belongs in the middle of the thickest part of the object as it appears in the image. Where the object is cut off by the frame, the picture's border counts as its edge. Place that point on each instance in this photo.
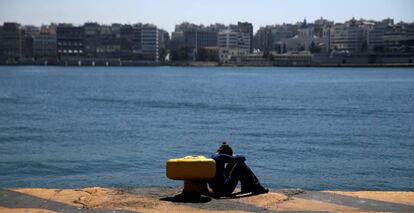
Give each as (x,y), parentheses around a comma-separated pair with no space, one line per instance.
(313,128)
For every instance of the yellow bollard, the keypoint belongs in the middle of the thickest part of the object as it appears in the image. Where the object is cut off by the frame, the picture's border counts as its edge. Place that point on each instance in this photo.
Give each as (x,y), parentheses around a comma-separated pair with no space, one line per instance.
(194,170)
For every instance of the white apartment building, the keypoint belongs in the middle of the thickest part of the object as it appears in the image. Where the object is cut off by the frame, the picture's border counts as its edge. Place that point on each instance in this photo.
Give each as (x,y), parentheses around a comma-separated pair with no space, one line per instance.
(347,37)
(145,41)
(232,39)
(149,42)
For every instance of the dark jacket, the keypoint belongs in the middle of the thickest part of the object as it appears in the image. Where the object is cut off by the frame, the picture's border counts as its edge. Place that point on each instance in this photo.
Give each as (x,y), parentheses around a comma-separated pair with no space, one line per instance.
(221,177)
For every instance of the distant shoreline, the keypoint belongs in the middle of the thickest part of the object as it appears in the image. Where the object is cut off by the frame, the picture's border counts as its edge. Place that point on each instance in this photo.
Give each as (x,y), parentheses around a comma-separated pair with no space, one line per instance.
(402,65)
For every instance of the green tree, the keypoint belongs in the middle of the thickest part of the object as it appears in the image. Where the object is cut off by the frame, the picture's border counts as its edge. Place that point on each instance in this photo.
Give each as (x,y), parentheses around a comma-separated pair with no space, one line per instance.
(180,54)
(163,53)
(204,54)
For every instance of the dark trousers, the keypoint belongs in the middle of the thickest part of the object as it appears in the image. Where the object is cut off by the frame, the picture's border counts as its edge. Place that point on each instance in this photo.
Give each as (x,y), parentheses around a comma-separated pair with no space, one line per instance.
(234,173)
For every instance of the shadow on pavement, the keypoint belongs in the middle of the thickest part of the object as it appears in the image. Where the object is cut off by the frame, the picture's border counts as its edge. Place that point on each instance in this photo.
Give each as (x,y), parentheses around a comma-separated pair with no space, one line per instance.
(11,199)
(182,198)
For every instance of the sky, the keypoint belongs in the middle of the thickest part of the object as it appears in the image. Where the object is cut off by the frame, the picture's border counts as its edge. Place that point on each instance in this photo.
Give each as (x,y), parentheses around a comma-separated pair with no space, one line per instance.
(166,13)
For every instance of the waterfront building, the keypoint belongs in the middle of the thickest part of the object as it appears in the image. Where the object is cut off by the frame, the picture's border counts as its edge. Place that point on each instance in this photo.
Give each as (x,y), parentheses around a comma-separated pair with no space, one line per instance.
(216,42)
(320,26)
(91,32)
(279,34)
(28,32)
(399,38)
(70,41)
(348,37)
(247,29)
(322,30)
(149,42)
(326,38)
(31,30)
(270,38)
(177,40)
(126,43)
(234,39)
(163,38)
(263,39)
(198,38)
(1,45)
(375,37)
(12,41)
(305,40)
(137,40)
(109,41)
(45,45)
(144,41)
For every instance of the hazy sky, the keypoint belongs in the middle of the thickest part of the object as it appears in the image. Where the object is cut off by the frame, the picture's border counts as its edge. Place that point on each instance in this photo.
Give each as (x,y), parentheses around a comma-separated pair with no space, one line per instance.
(167,13)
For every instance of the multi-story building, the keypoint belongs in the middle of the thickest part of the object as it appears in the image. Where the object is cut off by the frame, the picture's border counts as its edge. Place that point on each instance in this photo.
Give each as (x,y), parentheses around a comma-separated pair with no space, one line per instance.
(320,26)
(163,38)
(12,41)
(44,46)
(228,39)
(45,43)
(305,40)
(126,42)
(108,42)
(139,41)
(347,37)
(149,42)
(375,36)
(234,39)
(198,38)
(192,36)
(28,34)
(247,29)
(70,41)
(399,38)
(263,39)
(177,40)
(91,32)
(279,34)
(270,38)
(326,37)
(1,45)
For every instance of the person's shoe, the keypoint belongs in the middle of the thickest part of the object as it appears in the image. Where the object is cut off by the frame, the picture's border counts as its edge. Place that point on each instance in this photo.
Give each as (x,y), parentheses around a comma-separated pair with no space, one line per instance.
(255,190)
(244,190)
(259,190)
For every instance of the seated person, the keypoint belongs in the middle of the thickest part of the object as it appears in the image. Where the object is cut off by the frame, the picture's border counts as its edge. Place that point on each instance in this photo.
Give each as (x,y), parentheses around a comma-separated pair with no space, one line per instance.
(230,169)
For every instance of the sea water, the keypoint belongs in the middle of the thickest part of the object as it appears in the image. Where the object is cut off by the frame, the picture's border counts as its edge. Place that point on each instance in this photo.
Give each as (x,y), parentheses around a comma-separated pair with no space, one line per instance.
(312,128)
